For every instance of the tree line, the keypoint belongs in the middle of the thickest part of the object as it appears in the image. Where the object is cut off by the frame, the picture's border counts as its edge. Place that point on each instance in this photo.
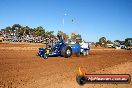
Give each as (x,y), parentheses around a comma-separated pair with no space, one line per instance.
(20,31)
(103,42)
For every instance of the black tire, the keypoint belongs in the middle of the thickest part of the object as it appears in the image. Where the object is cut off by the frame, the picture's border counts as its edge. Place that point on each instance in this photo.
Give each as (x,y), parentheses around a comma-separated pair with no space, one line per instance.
(84,53)
(37,54)
(87,52)
(45,57)
(81,80)
(66,51)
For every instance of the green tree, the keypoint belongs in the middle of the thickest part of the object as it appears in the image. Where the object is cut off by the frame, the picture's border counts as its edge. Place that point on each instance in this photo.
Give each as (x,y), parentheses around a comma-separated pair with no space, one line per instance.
(40,31)
(3,30)
(51,33)
(16,27)
(128,42)
(102,41)
(32,31)
(78,38)
(20,31)
(60,33)
(8,30)
(73,36)
(67,36)
(64,35)
(117,41)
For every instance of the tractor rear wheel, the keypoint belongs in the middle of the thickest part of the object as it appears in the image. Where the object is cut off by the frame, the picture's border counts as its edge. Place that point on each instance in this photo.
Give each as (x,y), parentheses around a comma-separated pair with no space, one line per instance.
(66,51)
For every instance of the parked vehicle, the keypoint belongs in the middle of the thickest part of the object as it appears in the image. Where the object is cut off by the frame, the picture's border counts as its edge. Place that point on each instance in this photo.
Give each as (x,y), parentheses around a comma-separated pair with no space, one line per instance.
(120,45)
(1,37)
(128,43)
(110,45)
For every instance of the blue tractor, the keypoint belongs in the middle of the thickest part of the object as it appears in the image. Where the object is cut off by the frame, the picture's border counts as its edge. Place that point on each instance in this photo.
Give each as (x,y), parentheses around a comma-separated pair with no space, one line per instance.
(60,49)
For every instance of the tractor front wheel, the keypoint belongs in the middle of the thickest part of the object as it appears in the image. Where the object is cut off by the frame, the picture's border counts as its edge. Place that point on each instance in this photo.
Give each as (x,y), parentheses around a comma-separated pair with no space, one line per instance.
(45,57)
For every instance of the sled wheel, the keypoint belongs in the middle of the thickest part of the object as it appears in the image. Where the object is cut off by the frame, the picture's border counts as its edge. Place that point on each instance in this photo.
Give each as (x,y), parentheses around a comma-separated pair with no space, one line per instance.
(66,51)
(87,52)
(84,53)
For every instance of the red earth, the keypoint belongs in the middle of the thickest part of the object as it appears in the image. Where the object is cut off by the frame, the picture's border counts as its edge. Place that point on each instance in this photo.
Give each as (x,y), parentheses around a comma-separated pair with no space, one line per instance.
(21,68)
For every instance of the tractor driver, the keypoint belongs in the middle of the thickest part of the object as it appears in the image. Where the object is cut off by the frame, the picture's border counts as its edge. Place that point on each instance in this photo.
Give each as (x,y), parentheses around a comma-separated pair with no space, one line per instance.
(59,39)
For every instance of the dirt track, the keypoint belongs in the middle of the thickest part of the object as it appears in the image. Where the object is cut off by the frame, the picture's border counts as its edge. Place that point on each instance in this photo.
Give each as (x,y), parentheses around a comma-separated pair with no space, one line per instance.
(21,68)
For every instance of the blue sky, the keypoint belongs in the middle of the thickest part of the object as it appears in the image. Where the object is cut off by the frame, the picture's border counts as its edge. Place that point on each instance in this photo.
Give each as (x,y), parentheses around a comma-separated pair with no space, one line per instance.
(91,18)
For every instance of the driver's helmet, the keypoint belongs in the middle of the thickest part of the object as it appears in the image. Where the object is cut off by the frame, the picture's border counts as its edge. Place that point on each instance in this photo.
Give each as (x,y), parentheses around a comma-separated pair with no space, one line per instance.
(49,47)
(59,39)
